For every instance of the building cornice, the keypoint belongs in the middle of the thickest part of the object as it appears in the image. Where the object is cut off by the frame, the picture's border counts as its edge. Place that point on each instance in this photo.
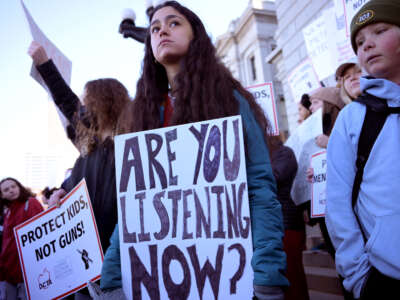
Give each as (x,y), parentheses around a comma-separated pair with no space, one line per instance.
(239,26)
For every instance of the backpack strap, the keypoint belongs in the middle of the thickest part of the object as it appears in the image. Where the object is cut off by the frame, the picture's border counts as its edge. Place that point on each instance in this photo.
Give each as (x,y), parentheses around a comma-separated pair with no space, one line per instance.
(372,126)
(377,111)
(375,117)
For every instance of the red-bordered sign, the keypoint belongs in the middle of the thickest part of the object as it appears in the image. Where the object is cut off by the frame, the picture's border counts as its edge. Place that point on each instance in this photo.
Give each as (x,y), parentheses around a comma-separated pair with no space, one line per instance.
(69,235)
(264,95)
(318,190)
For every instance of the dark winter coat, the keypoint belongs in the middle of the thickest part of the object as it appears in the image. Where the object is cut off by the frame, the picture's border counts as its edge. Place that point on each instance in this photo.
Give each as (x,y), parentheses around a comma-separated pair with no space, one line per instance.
(97,167)
(284,167)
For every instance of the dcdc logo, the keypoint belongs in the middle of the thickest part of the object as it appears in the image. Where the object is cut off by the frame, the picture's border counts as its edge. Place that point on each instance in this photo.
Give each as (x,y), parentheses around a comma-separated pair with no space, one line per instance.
(365,16)
(44,280)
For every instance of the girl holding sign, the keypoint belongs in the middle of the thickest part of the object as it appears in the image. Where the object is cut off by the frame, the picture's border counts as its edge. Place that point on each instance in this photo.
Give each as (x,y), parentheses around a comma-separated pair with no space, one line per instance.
(20,206)
(182,82)
(92,128)
(328,99)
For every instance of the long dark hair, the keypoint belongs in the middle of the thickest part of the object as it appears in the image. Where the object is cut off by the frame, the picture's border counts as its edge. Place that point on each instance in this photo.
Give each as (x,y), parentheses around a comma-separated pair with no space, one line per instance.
(24,192)
(203,88)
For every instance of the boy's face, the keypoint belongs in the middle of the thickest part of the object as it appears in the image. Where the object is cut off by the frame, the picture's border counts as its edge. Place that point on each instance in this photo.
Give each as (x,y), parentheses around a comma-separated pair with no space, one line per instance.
(378,50)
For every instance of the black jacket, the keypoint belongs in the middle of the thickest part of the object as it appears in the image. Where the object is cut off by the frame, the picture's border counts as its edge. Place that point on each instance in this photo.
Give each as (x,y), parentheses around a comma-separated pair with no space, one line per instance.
(97,167)
(284,166)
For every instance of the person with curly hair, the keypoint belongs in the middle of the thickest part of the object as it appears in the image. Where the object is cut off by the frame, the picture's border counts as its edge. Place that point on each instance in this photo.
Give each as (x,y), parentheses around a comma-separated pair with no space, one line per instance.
(183,81)
(93,125)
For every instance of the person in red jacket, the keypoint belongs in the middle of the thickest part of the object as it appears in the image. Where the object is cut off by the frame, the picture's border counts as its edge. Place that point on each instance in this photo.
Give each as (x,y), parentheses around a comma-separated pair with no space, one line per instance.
(20,206)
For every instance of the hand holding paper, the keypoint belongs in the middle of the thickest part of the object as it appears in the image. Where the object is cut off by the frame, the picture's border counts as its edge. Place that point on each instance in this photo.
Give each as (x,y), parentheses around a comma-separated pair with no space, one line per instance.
(310,174)
(38,54)
(56,197)
(322,141)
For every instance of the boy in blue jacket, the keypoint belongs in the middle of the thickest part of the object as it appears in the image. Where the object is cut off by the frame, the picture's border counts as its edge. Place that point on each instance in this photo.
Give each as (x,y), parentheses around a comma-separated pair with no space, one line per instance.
(366,238)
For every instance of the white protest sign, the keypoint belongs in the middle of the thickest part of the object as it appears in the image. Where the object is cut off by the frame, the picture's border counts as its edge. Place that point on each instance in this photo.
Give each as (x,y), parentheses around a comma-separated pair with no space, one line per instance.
(317,44)
(59,249)
(318,191)
(338,28)
(345,52)
(264,95)
(303,80)
(183,211)
(308,129)
(338,44)
(350,8)
(64,65)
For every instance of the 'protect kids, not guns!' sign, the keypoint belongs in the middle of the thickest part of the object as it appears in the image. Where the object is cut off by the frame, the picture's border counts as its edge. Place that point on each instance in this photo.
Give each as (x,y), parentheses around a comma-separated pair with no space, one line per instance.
(183,212)
(59,249)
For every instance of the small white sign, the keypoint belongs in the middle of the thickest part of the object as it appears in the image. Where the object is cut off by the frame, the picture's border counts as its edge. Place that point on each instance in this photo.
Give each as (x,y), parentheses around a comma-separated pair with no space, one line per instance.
(308,129)
(350,8)
(264,95)
(303,80)
(63,64)
(183,212)
(59,249)
(318,194)
(318,46)
(338,28)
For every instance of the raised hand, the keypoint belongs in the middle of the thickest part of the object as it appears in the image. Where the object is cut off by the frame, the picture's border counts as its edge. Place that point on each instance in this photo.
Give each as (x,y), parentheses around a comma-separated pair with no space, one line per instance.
(38,54)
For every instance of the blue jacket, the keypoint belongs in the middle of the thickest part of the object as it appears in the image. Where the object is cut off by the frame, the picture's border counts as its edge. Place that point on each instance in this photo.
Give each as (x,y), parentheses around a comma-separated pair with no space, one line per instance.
(269,259)
(378,204)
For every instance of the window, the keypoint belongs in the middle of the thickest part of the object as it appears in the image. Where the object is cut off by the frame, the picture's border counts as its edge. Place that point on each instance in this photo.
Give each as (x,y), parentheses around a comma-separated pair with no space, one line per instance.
(253,68)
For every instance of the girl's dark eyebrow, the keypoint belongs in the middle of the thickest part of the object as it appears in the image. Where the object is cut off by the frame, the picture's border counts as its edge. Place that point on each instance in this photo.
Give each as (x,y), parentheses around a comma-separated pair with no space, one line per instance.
(166,18)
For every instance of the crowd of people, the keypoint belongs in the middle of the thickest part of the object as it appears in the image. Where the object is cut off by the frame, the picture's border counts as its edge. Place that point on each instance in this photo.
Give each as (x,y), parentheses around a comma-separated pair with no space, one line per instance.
(183,81)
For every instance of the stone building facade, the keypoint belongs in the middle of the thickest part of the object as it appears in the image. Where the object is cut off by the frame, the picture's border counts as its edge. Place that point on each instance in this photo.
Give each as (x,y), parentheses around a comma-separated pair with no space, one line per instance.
(245,46)
(266,43)
(293,16)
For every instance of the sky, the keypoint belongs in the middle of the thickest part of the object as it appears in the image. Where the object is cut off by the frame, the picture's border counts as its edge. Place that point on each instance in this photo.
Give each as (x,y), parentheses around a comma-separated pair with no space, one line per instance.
(86,31)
